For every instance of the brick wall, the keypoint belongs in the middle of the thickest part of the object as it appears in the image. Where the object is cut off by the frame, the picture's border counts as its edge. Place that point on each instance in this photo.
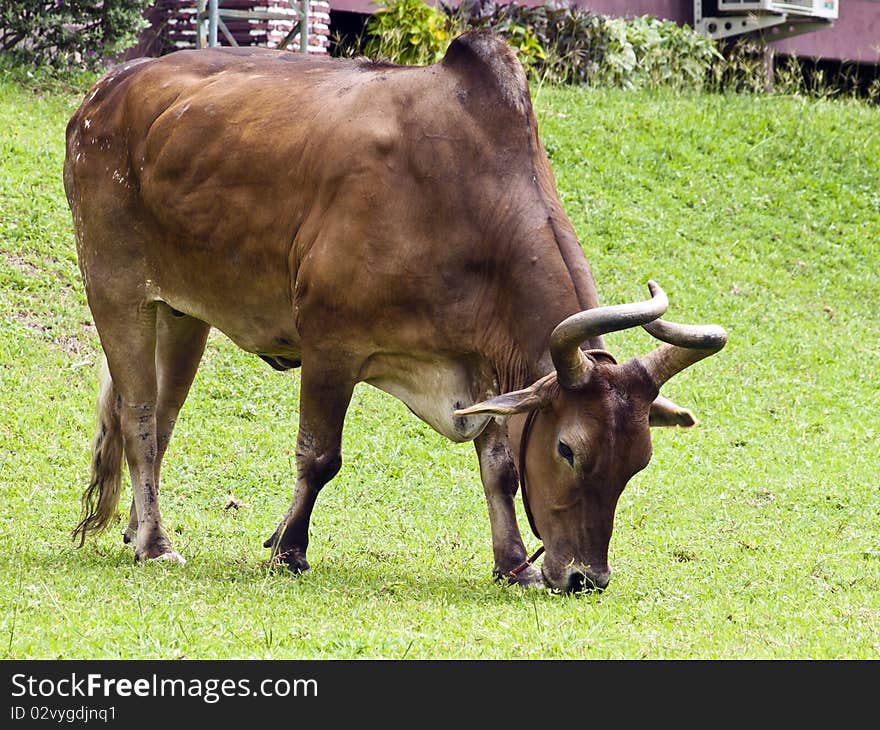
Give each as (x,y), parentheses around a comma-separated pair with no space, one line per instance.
(173,25)
(319,25)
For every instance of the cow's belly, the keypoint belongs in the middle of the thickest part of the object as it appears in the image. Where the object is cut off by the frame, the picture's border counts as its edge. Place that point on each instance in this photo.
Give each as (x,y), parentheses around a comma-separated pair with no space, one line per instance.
(270,342)
(260,328)
(432,390)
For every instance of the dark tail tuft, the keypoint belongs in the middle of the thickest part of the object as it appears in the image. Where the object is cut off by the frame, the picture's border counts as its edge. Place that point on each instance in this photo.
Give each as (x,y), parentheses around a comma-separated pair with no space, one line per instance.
(101,497)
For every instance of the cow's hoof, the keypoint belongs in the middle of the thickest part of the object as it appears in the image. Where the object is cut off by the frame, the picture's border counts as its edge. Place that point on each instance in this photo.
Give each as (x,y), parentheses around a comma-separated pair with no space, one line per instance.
(128,536)
(172,557)
(300,566)
(169,556)
(529,577)
(293,560)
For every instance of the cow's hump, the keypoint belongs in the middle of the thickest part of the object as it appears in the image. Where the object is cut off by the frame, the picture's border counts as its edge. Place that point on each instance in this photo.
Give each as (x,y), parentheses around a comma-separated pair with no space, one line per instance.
(485,58)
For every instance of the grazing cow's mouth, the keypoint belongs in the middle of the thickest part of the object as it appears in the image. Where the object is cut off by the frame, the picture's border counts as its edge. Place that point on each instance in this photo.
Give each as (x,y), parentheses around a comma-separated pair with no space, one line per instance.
(576,580)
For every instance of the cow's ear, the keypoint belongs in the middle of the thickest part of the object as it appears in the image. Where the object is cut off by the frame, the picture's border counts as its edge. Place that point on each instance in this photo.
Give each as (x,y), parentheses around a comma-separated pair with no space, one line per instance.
(517,401)
(666,413)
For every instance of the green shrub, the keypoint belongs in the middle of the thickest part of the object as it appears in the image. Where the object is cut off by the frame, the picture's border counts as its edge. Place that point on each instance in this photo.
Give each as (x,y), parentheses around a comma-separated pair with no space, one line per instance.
(569,45)
(668,54)
(408,32)
(69,33)
(554,43)
(579,46)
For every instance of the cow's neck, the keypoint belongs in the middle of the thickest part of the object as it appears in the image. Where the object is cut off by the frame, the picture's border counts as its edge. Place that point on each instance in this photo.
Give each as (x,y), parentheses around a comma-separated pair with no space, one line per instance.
(550,282)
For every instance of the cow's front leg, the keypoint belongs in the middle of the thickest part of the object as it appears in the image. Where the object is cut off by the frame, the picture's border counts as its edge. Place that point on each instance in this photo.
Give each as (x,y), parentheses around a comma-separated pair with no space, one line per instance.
(500,483)
(324,399)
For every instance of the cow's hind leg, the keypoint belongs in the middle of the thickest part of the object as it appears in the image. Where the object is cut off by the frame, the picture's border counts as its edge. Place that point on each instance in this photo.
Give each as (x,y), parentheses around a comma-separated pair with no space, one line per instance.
(324,397)
(180,344)
(500,483)
(128,331)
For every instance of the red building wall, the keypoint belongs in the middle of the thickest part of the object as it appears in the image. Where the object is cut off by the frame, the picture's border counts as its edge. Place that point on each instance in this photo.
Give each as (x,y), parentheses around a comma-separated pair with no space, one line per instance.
(855,36)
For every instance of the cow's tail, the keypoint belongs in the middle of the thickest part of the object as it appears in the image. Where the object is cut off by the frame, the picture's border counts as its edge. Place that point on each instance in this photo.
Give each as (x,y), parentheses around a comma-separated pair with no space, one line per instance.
(102,495)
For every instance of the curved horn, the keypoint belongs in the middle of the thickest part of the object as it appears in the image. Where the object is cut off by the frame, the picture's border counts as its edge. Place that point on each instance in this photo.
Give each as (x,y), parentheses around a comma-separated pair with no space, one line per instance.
(573,366)
(686,344)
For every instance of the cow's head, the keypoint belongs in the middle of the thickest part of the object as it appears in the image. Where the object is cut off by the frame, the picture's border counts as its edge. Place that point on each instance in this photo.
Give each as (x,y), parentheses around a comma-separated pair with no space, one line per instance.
(587,430)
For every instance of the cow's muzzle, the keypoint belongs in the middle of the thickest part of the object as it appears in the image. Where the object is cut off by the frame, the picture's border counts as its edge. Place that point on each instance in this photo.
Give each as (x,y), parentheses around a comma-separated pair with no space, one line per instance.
(573,579)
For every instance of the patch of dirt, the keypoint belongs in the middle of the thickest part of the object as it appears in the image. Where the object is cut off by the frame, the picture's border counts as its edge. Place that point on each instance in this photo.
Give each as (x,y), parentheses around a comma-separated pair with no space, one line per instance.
(71,345)
(20,263)
(77,347)
(29,320)
(47,267)
(233,503)
(683,555)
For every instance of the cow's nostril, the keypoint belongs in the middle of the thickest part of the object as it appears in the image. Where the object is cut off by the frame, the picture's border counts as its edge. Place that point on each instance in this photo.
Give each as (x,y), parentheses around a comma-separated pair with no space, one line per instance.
(602,580)
(579,581)
(576,582)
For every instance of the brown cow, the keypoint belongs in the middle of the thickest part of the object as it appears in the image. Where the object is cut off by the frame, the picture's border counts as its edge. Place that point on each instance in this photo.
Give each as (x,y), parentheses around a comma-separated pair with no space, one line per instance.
(398,226)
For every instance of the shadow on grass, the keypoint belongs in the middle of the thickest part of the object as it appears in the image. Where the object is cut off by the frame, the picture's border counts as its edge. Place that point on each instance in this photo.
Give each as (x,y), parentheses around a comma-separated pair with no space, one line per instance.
(361,576)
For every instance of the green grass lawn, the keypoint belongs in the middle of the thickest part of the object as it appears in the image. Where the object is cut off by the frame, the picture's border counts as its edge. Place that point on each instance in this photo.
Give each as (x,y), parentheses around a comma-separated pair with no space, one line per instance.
(753,535)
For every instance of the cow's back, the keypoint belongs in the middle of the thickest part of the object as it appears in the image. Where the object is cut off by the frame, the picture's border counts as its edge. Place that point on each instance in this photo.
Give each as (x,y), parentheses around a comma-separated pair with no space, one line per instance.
(283,182)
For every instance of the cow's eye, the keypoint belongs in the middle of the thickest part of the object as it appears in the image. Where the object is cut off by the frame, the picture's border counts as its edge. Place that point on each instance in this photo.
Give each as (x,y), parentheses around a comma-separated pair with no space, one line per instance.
(565,452)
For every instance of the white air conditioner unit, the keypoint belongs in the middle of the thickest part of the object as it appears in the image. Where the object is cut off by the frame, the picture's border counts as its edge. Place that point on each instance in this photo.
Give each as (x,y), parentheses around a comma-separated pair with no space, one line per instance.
(827,9)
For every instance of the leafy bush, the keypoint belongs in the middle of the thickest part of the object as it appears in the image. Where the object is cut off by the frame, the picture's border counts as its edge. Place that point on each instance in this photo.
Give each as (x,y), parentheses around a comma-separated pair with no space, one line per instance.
(668,54)
(408,32)
(554,43)
(570,45)
(578,46)
(69,33)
